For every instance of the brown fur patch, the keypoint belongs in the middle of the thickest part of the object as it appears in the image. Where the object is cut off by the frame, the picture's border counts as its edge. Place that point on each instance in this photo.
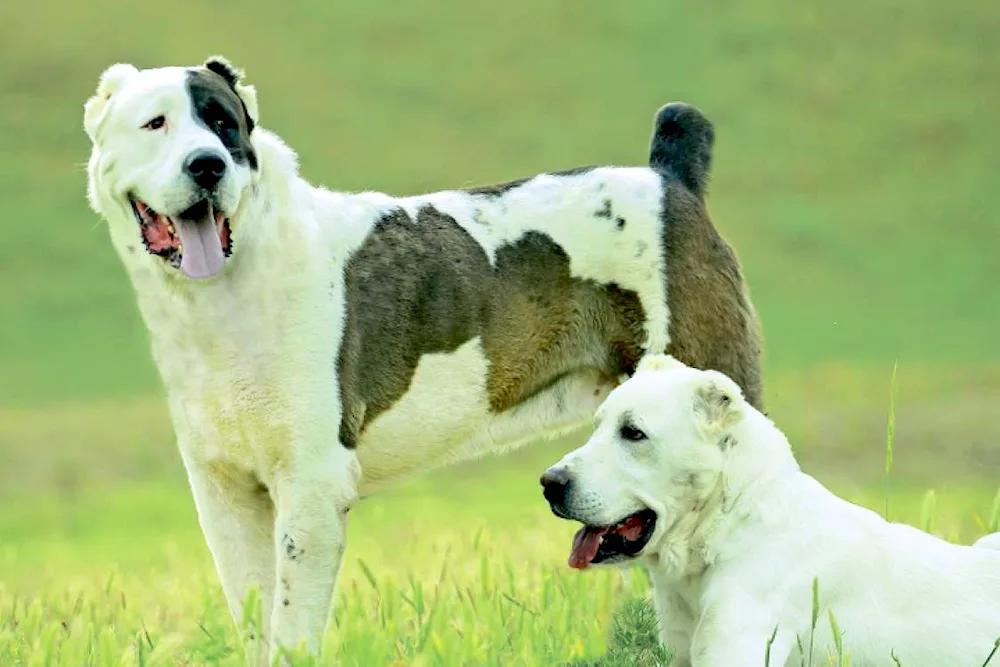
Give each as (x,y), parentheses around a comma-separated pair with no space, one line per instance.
(545,323)
(413,288)
(713,324)
(417,287)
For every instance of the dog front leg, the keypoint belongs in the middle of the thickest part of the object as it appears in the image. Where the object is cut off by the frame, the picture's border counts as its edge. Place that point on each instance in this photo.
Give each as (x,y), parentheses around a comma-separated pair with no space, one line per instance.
(237,518)
(314,496)
(727,640)
(675,617)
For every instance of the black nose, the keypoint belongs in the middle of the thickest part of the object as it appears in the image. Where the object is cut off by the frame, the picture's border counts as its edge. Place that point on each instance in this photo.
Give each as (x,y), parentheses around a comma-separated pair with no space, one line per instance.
(555,481)
(207,169)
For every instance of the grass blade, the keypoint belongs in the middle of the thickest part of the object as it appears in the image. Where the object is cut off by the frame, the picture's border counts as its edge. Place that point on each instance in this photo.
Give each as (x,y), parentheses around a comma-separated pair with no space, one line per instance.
(996,646)
(890,434)
(927,511)
(767,648)
(815,617)
(994,525)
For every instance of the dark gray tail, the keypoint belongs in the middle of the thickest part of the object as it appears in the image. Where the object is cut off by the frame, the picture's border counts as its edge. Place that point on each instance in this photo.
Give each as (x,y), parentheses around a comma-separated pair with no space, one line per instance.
(682,145)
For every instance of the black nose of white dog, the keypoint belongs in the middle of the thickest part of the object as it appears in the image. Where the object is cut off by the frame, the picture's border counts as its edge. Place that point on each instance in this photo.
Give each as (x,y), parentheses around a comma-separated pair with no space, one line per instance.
(555,481)
(207,169)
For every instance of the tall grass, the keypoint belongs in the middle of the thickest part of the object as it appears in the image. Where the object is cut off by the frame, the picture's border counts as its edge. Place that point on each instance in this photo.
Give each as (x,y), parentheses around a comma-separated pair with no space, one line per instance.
(890,436)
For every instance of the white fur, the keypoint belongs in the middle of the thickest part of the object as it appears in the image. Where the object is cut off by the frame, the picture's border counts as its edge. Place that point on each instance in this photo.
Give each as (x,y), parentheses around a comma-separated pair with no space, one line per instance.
(248,357)
(734,555)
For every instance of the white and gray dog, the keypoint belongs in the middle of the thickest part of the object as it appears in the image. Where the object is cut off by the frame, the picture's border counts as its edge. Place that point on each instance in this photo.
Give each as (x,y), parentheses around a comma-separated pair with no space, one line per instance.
(316,345)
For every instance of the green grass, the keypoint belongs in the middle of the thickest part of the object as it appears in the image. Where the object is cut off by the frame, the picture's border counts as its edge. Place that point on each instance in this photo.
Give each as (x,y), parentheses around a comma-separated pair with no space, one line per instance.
(100,551)
(453,569)
(463,576)
(855,171)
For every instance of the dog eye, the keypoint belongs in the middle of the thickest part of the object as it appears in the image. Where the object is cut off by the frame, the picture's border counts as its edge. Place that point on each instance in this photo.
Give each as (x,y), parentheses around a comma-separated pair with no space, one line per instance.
(629,432)
(156,123)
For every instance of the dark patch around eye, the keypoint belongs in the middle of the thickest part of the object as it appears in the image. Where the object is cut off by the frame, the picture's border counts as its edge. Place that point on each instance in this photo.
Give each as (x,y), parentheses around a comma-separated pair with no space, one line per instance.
(217,106)
(223,125)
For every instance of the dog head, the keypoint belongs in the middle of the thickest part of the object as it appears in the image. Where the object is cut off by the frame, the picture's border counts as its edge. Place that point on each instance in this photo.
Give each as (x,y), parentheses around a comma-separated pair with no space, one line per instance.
(654,462)
(172,160)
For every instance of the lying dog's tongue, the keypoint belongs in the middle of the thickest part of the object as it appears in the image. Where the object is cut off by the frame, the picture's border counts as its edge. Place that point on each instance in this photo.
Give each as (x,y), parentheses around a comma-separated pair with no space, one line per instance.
(202,255)
(586,543)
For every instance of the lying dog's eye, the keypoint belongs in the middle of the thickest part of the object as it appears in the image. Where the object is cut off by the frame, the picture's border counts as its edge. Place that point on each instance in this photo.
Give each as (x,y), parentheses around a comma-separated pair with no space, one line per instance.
(156,123)
(629,432)
(220,124)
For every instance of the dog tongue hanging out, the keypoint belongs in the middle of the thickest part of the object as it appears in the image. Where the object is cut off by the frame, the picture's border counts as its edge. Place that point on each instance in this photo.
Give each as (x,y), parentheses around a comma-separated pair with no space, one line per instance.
(196,241)
(201,248)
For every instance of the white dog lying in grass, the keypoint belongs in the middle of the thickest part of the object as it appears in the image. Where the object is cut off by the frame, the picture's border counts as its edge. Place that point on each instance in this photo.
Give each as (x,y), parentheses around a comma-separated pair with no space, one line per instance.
(684,475)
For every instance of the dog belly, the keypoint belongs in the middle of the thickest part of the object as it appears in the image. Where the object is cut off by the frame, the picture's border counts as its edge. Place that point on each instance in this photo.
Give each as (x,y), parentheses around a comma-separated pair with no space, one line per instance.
(445,417)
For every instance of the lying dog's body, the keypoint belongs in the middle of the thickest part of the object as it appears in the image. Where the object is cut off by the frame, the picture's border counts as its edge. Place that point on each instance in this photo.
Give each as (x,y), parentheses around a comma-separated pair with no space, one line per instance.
(734,534)
(353,339)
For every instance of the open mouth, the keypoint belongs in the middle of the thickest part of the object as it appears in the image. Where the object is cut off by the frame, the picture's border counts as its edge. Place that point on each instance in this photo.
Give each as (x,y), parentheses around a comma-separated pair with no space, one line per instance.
(196,241)
(620,541)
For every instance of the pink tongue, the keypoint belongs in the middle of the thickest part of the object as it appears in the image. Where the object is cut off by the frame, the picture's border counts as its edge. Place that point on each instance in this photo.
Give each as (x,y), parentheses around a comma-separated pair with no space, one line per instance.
(202,249)
(586,542)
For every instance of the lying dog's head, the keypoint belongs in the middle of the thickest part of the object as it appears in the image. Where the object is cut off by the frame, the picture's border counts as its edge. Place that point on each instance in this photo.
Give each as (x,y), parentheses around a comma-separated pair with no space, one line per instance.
(172,160)
(652,465)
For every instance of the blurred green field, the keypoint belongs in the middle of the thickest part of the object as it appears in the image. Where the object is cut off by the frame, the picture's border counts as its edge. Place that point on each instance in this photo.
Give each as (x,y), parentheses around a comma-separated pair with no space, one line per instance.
(855,172)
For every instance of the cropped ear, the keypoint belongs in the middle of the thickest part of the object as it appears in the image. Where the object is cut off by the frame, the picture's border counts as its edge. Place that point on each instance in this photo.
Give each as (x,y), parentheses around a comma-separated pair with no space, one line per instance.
(659,362)
(234,77)
(717,402)
(111,80)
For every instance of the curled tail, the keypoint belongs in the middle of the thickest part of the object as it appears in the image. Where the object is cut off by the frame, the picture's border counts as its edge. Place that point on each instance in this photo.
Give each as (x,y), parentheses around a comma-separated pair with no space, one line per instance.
(682,145)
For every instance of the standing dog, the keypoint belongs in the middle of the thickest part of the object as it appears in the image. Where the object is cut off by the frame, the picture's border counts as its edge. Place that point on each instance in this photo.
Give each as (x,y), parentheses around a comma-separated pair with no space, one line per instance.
(683,474)
(315,345)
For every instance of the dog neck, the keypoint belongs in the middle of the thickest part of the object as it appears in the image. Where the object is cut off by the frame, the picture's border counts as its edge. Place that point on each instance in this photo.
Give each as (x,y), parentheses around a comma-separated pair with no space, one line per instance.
(273,236)
(759,458)
(686,543)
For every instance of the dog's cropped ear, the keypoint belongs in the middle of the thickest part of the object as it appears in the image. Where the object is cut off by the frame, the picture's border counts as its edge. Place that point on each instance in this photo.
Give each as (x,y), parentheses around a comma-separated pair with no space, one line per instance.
(717,402)
(658,362)
(111,80)
(234,77)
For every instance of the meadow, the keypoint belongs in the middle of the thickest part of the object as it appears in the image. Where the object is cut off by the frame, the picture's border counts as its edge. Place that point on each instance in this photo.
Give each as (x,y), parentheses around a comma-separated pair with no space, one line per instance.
(854,171)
